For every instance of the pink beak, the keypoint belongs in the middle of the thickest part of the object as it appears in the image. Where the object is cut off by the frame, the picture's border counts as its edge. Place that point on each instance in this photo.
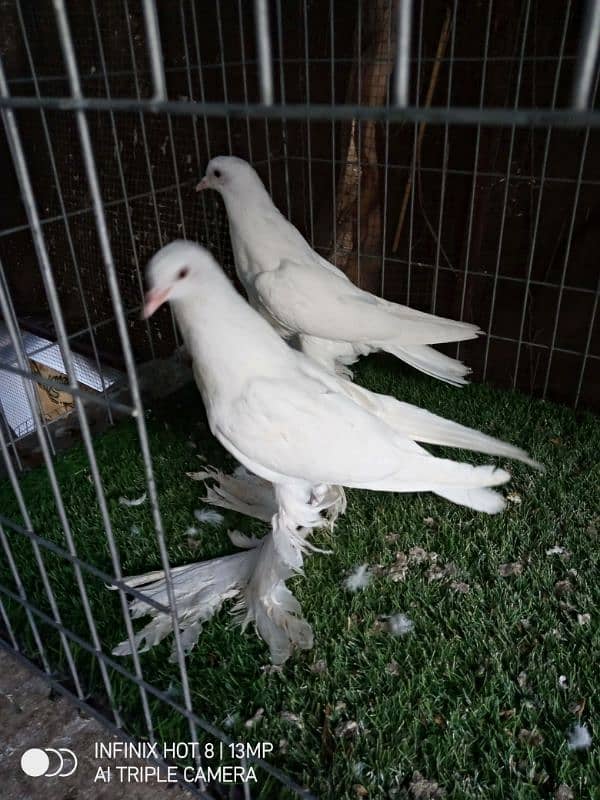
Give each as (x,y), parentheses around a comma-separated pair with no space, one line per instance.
(154,300)
(204,184)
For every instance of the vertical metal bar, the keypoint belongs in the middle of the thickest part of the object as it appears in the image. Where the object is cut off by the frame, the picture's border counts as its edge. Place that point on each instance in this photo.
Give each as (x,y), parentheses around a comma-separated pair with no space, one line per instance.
(149,168)
(92,176)
(9,628)
(563,276)
(588,344)
(415,155)
(35,395)
(538,209)
(446,156)
(4,426)
(506,189)
(245,77)
(155,49)
(63,209)
(61,333)
(565,264)
(359,143)
(193,118)
(15,339)
(402,72)
(122,181)
(333,186)
(475,166)
(308,125)
(142,122)
(21,589)
(205,201)
(587,55)
(284,133)
(223,73)
(386,158)
(263,49)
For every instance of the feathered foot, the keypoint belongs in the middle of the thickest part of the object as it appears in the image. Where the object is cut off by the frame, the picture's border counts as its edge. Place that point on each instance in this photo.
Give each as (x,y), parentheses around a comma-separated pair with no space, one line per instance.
(255,577)
(255,497)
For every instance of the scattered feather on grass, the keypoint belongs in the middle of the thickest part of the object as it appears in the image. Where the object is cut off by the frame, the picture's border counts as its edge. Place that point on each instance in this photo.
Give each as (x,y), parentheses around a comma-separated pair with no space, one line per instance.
(393,668)
(564,792)
(580,738)
(359,579)
(399,624)
(230,720)
(319,667)
(137,501)
(346,729)
(209,516)
(584,619)
(559,550)
(271,669)
(562,682)
(292,719)
(514,498)
(255,718)
(203,475)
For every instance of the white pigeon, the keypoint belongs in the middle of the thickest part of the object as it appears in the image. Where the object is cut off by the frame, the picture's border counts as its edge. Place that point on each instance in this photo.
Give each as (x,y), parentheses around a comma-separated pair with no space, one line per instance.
(303,295)
(307,432)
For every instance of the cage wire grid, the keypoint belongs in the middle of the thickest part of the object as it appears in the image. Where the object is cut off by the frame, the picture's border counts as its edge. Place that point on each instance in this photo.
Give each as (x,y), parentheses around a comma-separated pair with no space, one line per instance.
(111,111)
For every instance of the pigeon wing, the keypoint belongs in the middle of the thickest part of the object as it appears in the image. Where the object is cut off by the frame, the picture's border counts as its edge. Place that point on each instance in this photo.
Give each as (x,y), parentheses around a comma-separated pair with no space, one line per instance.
(305,297)
(298,428)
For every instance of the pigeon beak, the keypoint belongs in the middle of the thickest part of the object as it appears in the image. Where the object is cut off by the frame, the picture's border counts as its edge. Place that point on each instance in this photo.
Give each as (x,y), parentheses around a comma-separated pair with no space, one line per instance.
(154,300)
(204,184)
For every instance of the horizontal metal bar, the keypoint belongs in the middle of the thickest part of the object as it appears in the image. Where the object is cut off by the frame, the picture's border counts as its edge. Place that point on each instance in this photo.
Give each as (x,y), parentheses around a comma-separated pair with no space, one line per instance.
(120,733)
(97,573)
(88,397)
(497,117)
(540,346)
(468,173)
(163,696)
(125,73)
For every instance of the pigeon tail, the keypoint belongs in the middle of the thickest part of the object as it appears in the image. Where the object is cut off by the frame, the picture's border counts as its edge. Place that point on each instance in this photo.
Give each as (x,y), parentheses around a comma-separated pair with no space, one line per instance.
(431,362)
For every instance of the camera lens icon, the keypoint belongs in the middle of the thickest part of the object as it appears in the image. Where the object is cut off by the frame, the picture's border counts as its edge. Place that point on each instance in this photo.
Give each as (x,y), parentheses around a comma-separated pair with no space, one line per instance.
(35,762)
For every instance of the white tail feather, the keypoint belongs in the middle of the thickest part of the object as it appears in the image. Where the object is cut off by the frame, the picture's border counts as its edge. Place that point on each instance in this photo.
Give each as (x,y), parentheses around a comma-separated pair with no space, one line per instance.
(432,363)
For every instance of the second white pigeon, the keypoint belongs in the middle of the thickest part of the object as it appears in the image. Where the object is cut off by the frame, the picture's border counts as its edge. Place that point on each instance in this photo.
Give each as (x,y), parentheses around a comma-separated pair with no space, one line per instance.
(305,296)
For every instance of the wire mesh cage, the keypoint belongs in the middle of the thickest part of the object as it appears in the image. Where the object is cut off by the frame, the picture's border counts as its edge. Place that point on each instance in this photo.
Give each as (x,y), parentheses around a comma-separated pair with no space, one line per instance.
(443,154)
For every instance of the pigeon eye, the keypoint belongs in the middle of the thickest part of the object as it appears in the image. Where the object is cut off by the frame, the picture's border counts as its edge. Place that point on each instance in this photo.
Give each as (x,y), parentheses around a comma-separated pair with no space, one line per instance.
(217,173)
(183,272)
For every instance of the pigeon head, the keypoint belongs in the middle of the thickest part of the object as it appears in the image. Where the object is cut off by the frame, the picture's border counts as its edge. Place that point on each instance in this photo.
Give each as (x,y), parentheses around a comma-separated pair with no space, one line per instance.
(228,174)
(175,272)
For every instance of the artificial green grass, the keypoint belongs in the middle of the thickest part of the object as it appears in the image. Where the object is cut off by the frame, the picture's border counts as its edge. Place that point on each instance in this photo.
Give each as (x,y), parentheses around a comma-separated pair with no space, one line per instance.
(479,667)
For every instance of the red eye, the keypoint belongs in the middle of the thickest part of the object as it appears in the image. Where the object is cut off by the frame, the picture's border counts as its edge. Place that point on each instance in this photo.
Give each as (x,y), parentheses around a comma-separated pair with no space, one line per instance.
(183,272)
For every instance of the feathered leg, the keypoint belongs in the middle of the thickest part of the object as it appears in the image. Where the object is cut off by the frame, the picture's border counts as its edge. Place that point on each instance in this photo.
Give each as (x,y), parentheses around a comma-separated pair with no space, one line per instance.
(255,577)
